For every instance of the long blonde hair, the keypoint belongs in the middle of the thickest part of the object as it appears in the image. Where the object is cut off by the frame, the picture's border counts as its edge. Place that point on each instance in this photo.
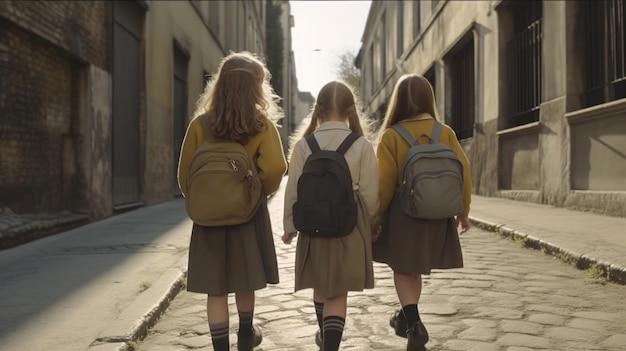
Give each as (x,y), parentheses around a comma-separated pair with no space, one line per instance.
(239,98)
(412,95)
(335,96)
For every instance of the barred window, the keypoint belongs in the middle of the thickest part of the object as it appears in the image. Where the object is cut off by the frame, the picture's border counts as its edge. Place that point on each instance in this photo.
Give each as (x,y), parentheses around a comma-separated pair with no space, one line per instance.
(430,76)
(524,64)
(605,68)
(463,91)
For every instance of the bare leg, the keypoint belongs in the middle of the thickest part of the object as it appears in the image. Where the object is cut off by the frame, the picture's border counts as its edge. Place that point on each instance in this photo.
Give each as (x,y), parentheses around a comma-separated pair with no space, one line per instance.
(245,301)
(217,309)
(408,287)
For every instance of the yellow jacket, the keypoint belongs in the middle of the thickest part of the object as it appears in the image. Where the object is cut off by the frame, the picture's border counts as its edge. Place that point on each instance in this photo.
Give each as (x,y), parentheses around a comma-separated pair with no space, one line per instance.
(265,147)
(392,149)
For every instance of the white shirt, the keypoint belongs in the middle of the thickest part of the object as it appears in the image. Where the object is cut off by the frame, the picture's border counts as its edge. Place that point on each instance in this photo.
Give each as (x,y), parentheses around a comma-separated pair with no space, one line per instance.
(361,160)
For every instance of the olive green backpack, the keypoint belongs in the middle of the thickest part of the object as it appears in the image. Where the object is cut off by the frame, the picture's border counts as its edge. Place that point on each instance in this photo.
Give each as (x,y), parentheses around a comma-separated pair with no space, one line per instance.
(223,185)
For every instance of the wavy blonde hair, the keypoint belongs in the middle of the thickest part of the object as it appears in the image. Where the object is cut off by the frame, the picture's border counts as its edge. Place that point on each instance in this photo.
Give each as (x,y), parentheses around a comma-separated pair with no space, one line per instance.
(412,95)
(239,98)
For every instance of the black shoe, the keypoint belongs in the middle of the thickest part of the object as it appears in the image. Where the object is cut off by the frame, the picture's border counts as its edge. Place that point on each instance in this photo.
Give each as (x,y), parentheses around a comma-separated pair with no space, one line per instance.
(398,323)
(249,342)
(417,337)
(318,339)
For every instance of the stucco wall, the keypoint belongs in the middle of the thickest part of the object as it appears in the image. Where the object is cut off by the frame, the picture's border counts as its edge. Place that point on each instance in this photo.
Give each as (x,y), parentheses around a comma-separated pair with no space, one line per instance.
(570,157)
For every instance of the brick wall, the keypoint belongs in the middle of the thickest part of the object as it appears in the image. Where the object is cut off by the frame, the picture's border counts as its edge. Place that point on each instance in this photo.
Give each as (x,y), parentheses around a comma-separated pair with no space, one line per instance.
(45,48)
(80,28)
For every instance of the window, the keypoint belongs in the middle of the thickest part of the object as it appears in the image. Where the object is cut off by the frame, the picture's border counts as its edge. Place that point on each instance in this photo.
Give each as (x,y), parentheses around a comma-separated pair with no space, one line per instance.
(523,65)
(416,18)
(463,90)
(605,67)
(430,76)
(400,28)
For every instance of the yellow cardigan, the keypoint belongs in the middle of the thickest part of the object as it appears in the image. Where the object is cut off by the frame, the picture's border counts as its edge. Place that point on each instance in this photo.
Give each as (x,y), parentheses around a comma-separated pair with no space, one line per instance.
(265,147)
(392,149)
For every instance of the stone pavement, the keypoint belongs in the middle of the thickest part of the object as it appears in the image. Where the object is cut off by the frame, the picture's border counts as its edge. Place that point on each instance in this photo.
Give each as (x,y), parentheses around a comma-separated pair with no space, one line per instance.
(506,298)
(101,286)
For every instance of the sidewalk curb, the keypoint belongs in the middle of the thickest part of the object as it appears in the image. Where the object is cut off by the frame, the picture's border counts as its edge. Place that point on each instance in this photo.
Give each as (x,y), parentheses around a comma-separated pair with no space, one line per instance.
(35,230)
(142,314)
(605,270)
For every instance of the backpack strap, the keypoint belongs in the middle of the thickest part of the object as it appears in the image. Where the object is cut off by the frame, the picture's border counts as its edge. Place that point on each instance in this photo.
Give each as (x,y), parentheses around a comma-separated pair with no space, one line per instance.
(434,135)
(313,145)
(347,142)
(404,133)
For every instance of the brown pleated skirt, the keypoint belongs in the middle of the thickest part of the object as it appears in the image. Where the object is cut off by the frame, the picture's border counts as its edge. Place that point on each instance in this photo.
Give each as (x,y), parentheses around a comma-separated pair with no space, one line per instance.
(410,245)
(230,259)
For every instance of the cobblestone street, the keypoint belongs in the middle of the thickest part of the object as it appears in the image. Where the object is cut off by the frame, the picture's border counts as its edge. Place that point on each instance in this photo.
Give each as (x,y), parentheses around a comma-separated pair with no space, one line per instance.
(506,298)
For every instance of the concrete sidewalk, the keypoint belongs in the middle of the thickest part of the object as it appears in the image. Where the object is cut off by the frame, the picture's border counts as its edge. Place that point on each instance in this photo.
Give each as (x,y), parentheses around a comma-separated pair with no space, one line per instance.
(96,287)
(101,286)
(584,239)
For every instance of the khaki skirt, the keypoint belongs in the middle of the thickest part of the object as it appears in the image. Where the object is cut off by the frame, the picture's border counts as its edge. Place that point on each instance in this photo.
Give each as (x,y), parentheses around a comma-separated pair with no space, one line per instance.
(334,266)
(410,245)
(230,259)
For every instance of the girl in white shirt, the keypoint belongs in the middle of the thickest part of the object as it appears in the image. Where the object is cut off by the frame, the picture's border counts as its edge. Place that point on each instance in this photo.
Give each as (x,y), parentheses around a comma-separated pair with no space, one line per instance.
(334,266)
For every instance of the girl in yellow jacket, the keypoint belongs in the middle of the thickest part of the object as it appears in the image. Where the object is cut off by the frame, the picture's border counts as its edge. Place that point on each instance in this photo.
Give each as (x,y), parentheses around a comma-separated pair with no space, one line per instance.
(410,246)
(334,266)
(239,105)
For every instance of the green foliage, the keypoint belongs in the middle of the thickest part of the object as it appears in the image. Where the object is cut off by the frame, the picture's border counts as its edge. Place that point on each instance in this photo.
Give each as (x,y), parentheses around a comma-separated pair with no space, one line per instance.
(275,44)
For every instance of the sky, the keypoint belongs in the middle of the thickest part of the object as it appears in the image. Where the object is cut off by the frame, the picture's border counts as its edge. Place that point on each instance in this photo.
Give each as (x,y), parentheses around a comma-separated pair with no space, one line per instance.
(324,30)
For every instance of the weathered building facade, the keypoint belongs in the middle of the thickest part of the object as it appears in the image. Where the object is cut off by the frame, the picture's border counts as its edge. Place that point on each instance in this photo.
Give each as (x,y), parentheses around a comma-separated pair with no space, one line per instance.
(95,96)
(535,90)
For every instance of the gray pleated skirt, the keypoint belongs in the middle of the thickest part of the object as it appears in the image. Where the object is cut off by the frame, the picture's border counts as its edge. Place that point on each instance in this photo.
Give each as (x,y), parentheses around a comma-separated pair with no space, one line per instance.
(230,259)
(410,245)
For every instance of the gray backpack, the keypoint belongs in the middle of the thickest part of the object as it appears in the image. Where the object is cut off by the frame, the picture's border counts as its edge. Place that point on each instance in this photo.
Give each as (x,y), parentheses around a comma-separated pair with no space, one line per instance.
(432,177)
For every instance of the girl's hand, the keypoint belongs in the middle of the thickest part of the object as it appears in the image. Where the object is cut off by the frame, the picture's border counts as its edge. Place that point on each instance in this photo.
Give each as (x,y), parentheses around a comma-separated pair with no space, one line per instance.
(287,237)
(465,224)
(376,229)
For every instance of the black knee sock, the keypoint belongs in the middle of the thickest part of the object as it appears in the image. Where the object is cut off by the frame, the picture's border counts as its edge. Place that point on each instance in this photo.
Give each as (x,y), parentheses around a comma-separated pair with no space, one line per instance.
(411,314)
(333,330)
(219,335)
(319,312)
(245,323)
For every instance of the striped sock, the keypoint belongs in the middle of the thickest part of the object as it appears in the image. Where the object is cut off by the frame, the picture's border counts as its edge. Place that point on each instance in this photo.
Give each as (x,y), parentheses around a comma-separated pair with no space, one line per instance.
(333,330)
(319,312)
(245,323)
(219,335)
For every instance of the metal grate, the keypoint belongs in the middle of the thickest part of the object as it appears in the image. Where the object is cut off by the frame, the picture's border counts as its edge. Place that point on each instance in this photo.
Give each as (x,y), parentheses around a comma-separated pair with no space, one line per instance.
(524,75)
(605,68)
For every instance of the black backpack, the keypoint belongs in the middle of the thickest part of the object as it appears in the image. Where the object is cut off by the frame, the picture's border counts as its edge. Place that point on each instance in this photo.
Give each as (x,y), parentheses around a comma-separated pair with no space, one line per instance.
(325,206)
